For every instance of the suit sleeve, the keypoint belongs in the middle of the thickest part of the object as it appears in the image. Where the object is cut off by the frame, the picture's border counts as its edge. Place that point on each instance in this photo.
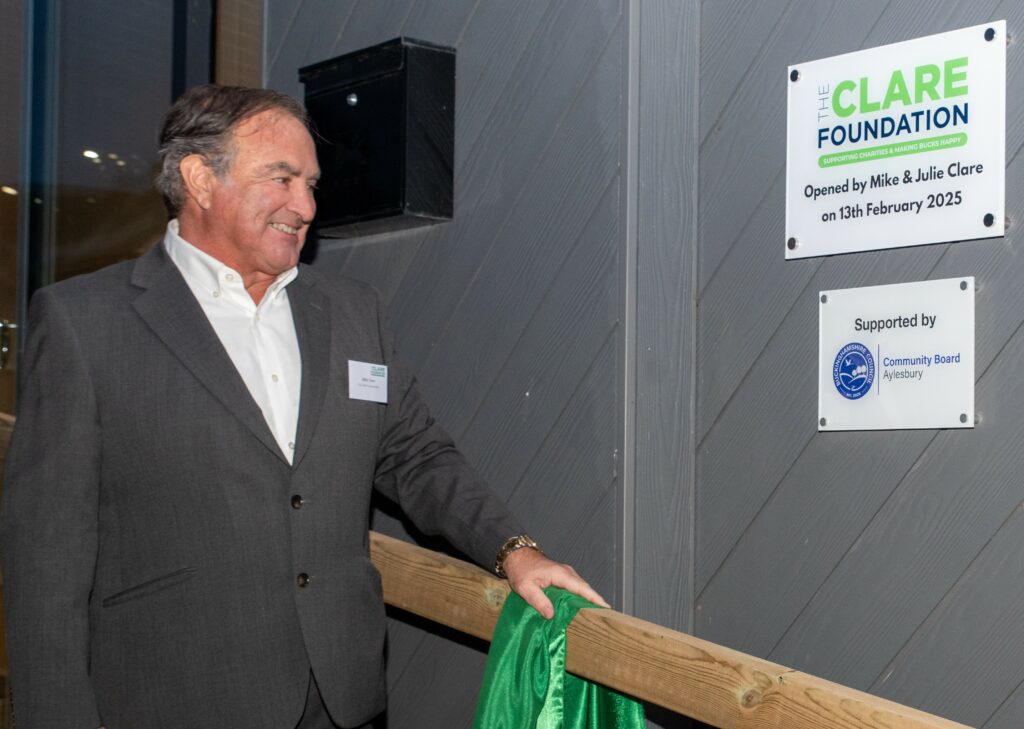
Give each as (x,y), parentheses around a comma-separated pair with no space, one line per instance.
(419,467)
(49,526)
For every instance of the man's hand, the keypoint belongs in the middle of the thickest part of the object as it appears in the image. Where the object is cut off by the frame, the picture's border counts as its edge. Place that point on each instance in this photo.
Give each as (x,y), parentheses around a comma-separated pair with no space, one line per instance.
(529,572)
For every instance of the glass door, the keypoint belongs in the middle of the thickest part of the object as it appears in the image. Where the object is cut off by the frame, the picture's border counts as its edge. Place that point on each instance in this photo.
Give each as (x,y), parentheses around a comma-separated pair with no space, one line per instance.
(99,77)
(11,192)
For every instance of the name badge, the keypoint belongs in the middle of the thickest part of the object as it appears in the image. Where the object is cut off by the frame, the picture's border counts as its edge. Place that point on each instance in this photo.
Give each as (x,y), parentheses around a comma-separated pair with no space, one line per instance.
(367,381)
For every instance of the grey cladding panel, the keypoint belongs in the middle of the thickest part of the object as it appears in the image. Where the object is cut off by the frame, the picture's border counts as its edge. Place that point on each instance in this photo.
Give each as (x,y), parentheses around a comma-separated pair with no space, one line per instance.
(666,246)
(746,150)
(732,38)
(939,519)
(374,22)
(516,157)
(381,261)
(732,331)
(1000,312)
(1008,715)
(984,258)
(773,414)
(438,686)
(489,63)
(826,498)
(485,62)
(443,258)
(307,36)
(800,534)
(983,612)
(1013,12)
(568,332)
(573,184)
(569,485)
(446,28)
(744,304)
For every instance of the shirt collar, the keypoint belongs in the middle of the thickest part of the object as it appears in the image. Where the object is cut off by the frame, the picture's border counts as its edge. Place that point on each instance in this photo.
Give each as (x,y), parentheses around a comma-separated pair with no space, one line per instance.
(205,274)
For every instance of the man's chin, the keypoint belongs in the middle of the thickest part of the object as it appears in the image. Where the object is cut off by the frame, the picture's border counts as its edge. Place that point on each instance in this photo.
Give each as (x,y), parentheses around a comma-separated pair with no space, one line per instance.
(286,256)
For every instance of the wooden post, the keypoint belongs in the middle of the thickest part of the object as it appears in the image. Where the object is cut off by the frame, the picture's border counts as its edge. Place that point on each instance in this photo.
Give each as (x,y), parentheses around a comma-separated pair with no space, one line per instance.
(238,47)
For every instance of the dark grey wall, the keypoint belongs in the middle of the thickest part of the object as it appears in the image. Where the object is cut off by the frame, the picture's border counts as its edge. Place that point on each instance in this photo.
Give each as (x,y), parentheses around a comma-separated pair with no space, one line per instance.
(611,331)
(510,313)
(891,561)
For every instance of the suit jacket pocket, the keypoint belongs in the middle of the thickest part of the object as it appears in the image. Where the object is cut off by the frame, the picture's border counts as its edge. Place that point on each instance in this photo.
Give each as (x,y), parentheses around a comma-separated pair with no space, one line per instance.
(150,587)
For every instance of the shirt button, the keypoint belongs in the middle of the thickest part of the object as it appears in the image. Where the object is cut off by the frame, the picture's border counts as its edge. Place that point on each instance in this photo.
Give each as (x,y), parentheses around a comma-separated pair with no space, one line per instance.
(303,579)
(297,502)
(229,276)
(257,317)
(216,294)
(274,378)
(291,445)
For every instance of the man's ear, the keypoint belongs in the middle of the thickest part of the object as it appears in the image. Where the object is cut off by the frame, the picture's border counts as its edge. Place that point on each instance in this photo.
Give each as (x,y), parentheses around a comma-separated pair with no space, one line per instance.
(199,179)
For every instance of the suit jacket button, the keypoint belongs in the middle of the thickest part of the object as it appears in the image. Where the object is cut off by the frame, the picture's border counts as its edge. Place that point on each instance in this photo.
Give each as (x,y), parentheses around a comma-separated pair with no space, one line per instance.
(297,502)
(303,579)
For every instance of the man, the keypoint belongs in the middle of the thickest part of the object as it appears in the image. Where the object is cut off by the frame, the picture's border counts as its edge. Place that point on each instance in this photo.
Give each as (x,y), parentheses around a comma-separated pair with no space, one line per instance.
(187,494)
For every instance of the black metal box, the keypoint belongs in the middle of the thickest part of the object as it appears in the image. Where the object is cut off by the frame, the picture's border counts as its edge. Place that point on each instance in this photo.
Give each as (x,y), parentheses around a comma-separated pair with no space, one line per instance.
(384,121)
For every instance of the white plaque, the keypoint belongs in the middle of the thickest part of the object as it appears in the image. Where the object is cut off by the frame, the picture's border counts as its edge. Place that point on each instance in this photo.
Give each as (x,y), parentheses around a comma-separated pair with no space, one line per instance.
(897,356)
(899,145)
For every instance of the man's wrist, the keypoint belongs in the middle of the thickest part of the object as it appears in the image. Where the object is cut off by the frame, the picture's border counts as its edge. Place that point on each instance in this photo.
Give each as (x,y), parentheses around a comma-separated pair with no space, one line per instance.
(514,544)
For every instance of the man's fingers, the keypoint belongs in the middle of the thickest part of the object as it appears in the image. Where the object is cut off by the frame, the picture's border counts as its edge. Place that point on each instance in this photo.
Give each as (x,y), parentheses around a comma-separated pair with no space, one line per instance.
(576,584)
(536,599)
(564,576)
(591,594)
(529,572)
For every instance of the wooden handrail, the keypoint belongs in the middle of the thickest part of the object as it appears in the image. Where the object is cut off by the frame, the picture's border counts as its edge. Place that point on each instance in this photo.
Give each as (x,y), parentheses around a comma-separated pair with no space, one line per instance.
(702,680)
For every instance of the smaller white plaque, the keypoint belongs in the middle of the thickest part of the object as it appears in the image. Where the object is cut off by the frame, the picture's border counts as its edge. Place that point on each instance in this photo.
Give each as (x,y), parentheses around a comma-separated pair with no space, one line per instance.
(897,356)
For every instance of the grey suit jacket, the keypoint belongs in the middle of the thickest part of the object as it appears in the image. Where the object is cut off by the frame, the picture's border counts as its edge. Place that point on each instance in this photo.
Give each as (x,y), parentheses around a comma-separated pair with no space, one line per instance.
(151,545)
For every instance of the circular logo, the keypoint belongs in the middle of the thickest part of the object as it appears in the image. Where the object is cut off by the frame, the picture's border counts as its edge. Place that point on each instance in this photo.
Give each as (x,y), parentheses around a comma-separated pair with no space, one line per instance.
(853,371)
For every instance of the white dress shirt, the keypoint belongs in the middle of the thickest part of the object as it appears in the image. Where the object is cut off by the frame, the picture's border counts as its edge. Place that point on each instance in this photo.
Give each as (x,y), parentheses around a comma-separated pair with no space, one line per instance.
(260,340)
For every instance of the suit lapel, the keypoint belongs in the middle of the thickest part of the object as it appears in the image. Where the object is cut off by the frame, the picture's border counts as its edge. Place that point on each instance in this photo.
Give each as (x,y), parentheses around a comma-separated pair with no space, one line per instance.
(311,313)
(172,312)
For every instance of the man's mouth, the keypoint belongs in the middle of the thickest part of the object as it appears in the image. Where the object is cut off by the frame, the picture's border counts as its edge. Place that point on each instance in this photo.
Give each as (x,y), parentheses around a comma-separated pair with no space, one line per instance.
(284,228)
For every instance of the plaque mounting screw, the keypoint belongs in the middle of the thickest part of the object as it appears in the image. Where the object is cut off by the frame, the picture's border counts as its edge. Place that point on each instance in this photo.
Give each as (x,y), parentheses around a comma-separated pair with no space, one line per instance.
(791,244)
(963,417)
(990,33)
(794,75)
(352,99)
(963,285)
(824,298)
(823,422)
(989,220)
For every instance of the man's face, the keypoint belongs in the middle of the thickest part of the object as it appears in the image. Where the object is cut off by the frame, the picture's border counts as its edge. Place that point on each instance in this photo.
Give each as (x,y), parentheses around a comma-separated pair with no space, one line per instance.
(262,207)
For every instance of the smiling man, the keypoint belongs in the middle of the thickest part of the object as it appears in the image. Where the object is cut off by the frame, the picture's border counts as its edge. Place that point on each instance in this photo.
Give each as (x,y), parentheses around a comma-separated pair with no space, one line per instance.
(188,485)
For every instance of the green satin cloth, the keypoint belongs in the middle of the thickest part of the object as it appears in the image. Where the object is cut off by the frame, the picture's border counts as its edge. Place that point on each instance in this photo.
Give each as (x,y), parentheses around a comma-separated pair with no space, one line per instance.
(525,684)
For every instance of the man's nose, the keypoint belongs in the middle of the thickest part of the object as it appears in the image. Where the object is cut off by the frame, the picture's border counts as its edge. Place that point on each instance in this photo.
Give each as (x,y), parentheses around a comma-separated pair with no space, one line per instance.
(304,204)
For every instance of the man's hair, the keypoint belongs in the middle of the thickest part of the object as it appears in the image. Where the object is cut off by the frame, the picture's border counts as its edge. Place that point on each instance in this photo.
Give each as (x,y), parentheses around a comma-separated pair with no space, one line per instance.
(202,122)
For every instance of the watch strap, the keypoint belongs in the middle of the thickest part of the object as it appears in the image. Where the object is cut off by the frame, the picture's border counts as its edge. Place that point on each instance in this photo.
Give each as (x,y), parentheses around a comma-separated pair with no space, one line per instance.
(521,541)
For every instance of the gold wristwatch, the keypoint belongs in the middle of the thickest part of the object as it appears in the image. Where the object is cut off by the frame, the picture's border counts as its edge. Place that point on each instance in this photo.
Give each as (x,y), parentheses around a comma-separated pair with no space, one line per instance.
(518,542)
